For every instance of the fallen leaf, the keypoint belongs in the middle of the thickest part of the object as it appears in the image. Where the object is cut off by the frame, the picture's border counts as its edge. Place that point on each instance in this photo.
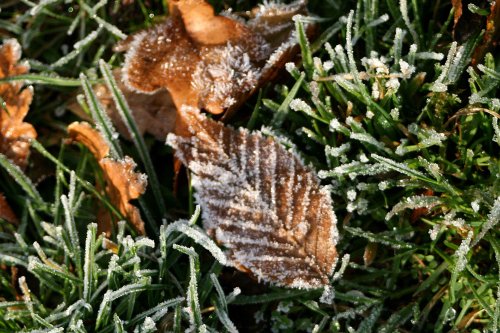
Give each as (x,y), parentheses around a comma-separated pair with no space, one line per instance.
(123,184)
(6,212)
(261,202)
(208,61)
(491,34)
(14,133)
(153,113)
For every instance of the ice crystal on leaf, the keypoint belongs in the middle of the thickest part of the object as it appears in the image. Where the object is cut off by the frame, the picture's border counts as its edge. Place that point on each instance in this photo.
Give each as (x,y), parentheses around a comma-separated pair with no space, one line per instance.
(123,184)
(210,61)
(14,133)
(261,202)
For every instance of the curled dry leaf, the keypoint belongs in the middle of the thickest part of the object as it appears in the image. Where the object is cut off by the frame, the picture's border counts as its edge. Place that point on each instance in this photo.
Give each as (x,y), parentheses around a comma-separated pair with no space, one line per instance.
(123,184)
(14,133)
(208,61)
(261,202)
(6,212)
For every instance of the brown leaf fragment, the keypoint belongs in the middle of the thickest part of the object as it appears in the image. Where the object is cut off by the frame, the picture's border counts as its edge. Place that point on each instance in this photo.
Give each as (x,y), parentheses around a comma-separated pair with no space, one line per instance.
(123,183)
(457,6)
(6,212)
(370,253)
(491,34)
(153,113)
(261,202)
(208,61)
(14,133)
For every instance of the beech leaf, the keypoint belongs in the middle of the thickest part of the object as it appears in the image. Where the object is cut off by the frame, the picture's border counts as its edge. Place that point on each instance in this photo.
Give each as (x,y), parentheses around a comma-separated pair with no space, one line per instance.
(15,134)
(123,183)
(210,61)
(261,202)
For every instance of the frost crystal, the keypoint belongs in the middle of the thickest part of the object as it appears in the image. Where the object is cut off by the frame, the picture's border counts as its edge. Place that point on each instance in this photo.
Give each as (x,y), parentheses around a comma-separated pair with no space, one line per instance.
(493,219)
(461,253)
(261,202)
(351,195)
(395,113)
(299,105)
(475,206)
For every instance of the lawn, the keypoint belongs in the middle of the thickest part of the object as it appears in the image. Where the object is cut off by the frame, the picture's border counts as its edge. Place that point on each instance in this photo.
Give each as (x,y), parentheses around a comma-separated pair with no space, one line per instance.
(329,166)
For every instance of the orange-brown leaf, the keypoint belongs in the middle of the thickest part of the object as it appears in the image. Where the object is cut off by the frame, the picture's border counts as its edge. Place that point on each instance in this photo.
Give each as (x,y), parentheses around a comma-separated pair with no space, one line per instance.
(457,6)
(15,134)
(84,133)
(6,212)
(208,61)
(261,202)
(123,183)
(491,34)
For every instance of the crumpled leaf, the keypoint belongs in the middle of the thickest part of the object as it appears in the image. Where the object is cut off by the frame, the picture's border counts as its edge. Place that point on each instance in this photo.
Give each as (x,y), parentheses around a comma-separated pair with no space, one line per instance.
(261,202)
(208,61)
(14,133)
(6,212)
(123,184)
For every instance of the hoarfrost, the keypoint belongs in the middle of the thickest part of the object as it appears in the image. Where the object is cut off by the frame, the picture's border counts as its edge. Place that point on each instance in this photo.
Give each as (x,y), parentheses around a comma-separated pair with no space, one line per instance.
(417,201)
(491,222)
(461,253)
(261,202)
(351,195)
(328,295)
(475,206)
(395,113)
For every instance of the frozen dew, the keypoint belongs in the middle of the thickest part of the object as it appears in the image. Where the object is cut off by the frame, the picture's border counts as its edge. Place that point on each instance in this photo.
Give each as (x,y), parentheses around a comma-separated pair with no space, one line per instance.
(491,222)
(299,105)
(363,158)
(328,65)
(433,233)
(395,113)
(461,253)
(406,69)
(375,96)
(403,6)
(344,263)
(383,185)
(413,202)
(284,306)
(429,56)
(290,67)
(496,128)
(328,295)
(337,151)
(393,85)
(351,195)
(475,205)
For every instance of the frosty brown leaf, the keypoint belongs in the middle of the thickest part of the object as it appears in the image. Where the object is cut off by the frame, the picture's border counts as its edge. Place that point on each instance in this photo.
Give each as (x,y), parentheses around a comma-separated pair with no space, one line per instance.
(14,132)
(208,61)
(261,202)
(123,183)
